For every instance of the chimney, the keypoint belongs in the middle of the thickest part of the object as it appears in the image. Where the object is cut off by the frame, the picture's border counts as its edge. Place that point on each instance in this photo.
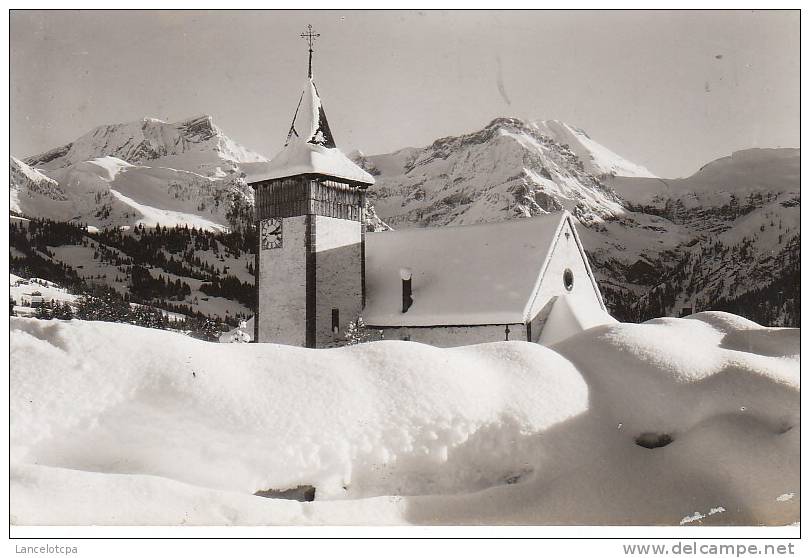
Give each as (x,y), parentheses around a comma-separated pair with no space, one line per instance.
(407,299)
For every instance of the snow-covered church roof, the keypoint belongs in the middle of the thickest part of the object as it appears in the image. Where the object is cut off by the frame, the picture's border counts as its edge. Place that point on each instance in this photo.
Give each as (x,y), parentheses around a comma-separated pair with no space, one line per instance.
(461,275)
(310,147)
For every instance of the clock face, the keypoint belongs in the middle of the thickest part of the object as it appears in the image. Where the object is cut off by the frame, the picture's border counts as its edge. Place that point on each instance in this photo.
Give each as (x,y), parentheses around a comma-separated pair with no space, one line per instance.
(271,234)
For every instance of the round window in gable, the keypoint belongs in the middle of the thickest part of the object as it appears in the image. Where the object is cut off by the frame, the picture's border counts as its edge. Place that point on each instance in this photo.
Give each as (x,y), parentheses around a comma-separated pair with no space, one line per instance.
(568,279)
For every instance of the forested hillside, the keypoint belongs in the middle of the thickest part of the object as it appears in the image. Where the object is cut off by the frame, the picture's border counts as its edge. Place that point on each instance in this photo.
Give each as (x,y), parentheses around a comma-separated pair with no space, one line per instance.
(195,272)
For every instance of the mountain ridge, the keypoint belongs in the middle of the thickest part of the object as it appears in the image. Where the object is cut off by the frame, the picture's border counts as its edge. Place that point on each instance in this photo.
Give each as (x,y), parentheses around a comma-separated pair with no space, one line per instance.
(657,245)
(143,172)
(148,139)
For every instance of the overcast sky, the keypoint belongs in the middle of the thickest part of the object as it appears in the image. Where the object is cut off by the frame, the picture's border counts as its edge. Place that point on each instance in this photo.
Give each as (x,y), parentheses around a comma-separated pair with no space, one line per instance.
(668,90)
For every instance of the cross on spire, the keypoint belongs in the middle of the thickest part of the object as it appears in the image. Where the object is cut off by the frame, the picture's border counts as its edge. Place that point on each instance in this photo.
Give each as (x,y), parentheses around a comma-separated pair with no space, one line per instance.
(309,36)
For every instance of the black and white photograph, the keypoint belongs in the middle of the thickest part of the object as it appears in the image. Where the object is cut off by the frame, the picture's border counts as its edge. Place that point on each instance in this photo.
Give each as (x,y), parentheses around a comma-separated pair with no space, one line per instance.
(405,268)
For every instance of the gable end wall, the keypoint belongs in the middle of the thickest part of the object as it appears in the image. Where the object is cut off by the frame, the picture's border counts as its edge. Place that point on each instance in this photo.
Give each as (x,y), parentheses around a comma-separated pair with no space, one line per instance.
(565,255)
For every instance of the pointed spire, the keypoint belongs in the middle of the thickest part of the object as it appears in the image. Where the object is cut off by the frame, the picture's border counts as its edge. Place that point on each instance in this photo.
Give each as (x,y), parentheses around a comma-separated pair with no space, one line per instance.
(310,147)
(309,122)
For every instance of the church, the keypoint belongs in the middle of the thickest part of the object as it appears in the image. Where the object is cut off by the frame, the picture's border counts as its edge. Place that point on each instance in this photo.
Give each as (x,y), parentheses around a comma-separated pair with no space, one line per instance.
(318,268)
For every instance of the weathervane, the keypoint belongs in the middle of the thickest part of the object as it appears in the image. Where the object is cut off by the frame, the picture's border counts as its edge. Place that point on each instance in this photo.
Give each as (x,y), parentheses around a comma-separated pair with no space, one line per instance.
(310,37)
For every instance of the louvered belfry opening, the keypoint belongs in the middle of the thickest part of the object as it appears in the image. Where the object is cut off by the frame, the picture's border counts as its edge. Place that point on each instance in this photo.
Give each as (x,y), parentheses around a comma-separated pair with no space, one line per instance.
(309,195)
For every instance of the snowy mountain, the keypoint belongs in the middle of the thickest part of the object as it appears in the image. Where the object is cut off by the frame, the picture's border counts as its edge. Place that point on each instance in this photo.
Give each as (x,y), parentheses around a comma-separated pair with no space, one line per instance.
(657,245)
(146,172)
(749,170)
(195,145)
(508,169)
(742,213)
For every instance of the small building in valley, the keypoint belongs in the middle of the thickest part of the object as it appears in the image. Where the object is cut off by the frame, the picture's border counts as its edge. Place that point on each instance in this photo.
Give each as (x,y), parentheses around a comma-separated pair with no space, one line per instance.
(34,299)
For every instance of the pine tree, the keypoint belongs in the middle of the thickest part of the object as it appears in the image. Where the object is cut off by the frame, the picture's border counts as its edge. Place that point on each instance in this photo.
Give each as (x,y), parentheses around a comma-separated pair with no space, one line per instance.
(45,311)
(204,327)
(63,311)
(357,332)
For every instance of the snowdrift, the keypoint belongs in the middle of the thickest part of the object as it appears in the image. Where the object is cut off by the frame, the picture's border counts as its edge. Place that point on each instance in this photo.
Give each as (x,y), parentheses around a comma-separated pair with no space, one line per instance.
(114,424)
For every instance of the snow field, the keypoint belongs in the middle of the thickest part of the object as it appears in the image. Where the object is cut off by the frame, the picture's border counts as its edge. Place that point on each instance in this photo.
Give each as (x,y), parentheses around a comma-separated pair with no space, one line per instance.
(377,419)
(19,286)
(680,372)
(114,424)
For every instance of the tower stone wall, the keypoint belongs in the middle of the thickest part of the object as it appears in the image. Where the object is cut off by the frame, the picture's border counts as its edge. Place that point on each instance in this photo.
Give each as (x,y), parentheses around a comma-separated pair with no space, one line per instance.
(338,276)
(309,278)
(281,287)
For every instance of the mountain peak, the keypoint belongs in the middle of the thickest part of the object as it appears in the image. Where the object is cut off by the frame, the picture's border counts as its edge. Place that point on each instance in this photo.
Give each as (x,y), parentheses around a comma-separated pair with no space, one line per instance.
(149,139)
(506,169)
(596,158)
(506,122)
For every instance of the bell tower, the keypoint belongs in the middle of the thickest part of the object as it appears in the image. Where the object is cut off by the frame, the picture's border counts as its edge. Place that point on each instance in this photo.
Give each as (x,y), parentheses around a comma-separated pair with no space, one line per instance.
(310,258)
